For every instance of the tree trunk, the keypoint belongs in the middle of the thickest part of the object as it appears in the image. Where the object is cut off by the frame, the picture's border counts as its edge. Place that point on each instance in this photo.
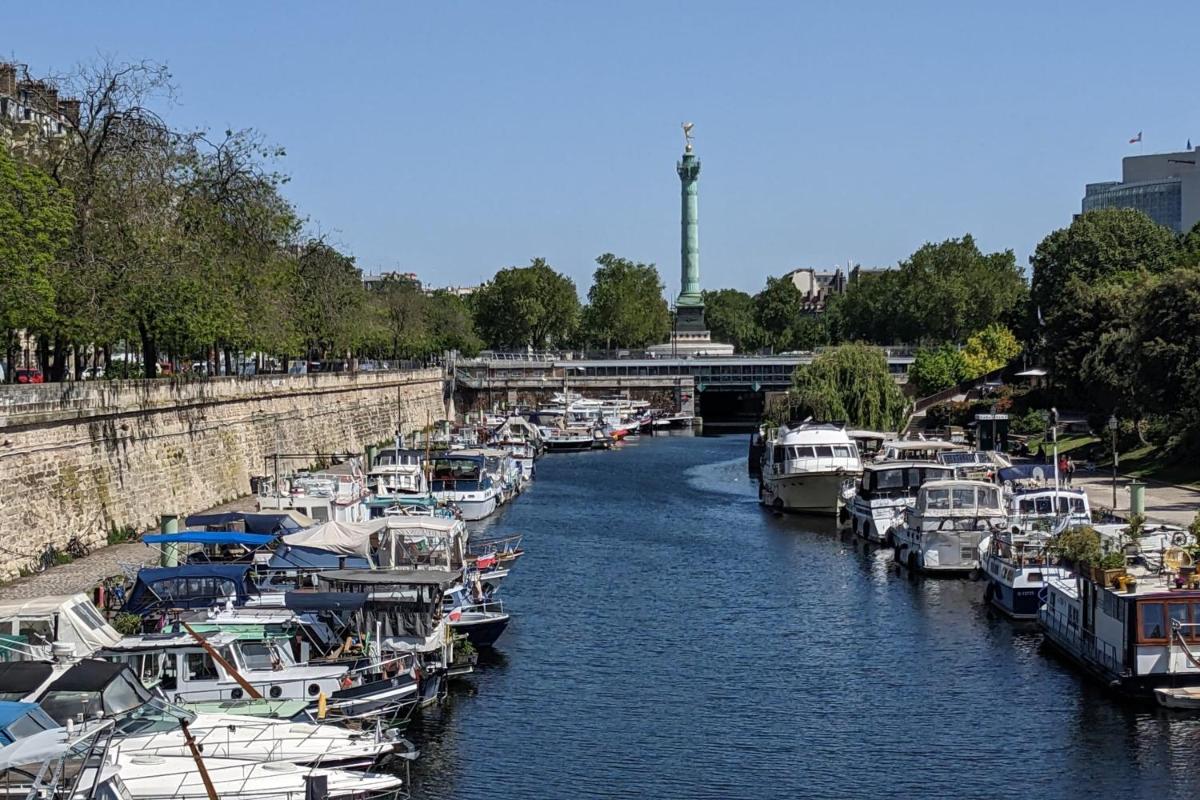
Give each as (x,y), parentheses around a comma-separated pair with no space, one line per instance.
(58,361)
(228,361)
(149,352)
(80,361)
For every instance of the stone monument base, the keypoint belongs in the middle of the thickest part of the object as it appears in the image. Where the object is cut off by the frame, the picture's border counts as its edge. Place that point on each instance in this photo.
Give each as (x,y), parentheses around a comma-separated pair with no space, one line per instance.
(690,343)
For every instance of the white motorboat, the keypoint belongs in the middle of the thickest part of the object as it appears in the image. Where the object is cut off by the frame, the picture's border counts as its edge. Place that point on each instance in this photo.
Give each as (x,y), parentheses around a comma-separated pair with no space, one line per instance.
(461,479)
(805,466)
(943,530)
(885,493)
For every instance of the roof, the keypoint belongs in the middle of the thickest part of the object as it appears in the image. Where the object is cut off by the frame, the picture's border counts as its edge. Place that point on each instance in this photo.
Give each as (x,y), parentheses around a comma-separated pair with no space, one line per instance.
(211,537)
(261,522)
(234,572)
(89,675)
(404,577)
(23,676)
(324,601)
(39,605)
(880,466)
(401,524)
(287,557)
(923,444)
(948,484)
(171,638)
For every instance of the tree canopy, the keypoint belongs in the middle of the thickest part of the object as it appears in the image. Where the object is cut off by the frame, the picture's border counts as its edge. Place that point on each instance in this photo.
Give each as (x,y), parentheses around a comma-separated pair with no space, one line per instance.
(625,305)
(530,306)
(729,314)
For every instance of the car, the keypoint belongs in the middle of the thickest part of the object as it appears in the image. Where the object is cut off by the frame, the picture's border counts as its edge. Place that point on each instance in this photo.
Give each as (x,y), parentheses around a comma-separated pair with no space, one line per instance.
(29,376)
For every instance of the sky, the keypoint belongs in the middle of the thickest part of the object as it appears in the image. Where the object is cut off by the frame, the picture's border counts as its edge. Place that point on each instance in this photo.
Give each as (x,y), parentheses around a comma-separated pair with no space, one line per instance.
(453,139)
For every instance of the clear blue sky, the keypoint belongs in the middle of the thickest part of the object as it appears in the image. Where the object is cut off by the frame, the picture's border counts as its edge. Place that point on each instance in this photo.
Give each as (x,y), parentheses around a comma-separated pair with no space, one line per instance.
(451,139)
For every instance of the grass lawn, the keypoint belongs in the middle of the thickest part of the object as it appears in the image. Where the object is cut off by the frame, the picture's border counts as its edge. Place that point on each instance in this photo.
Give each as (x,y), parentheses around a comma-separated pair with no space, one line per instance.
(1065,443)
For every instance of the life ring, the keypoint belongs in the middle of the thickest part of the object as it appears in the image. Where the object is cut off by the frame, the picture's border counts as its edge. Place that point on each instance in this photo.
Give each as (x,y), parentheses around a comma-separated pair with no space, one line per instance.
(1179,538)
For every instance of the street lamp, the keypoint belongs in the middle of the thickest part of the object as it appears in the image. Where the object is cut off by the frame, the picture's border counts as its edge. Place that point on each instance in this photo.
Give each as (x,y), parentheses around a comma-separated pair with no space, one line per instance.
(1113,424)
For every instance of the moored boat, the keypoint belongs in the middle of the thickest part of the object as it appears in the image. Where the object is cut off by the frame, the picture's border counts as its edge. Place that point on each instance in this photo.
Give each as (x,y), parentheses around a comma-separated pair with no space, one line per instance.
(805,466)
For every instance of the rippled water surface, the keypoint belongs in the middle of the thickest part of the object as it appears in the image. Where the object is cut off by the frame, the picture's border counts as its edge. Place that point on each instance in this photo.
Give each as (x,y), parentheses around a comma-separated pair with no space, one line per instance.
(671,639)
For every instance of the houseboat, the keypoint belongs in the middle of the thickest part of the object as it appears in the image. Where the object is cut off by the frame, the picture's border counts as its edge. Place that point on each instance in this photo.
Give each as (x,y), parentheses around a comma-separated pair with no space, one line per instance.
(805,465)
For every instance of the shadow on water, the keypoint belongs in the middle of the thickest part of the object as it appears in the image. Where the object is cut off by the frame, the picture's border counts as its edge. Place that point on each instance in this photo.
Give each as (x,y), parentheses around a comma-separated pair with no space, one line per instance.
(671,638)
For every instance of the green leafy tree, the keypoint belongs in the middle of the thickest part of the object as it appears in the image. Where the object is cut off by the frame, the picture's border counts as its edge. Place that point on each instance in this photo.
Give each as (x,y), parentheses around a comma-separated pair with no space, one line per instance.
(329,299)
(530,306)
(451,326)
(36,222)
(625,305)
(936,368)
(1162,355)
(729,314)
(851,383)
(403,307)
(988,350)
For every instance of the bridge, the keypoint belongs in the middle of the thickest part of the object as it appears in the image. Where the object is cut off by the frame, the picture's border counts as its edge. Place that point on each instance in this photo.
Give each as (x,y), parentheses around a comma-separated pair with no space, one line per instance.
(719,388)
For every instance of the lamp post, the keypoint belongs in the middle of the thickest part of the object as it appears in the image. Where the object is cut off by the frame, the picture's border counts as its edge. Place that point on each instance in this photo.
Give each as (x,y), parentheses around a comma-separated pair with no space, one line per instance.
(1054,436)
(1113,424)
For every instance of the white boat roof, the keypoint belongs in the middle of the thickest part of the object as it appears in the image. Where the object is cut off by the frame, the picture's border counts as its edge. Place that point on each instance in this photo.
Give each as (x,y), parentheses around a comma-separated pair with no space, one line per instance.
(812,433)
(162,641)
(958,483)
(439,524)
(923,444)
(881,435)
(881,466)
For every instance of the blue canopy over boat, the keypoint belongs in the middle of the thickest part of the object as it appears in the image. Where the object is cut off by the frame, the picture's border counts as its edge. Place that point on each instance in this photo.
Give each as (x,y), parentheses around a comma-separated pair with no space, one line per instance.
(211,537)
(189,586)
(287,557)
(263,522)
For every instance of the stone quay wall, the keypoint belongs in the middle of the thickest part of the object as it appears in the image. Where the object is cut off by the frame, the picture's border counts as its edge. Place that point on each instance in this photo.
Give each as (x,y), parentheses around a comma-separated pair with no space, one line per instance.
(77,459)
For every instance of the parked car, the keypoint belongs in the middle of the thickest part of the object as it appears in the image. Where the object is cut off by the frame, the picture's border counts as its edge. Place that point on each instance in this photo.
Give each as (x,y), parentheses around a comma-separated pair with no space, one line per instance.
(29,376)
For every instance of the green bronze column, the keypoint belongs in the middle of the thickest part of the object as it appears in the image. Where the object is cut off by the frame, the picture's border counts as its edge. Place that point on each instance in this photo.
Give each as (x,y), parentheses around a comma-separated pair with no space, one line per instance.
(690,304)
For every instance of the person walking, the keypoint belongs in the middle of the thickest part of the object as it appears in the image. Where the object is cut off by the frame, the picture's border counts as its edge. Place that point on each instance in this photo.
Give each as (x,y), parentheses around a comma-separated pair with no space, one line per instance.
(1062,468)
(1070,471)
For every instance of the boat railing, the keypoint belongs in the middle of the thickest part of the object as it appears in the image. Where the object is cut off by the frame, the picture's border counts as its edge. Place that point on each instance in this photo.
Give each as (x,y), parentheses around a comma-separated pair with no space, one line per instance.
(1105,654)
(500,546)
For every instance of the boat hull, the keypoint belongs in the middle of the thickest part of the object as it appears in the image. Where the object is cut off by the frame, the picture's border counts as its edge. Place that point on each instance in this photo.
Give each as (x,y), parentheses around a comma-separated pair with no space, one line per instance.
(810,492)
(482,632)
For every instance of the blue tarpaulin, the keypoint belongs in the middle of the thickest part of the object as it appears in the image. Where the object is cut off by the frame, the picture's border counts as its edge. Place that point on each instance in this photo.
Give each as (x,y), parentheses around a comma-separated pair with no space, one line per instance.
(210,537)
(261,522)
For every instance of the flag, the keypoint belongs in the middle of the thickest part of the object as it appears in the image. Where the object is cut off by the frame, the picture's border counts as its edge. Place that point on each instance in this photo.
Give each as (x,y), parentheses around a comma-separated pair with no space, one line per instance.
(1136,139)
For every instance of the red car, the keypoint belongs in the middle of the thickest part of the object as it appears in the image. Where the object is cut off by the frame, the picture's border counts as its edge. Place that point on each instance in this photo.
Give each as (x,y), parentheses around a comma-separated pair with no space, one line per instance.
(29,376)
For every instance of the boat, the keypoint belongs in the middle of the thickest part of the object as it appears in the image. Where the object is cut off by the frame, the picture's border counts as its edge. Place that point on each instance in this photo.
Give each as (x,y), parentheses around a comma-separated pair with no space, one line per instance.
(404,614)
(337,495)
(885,493)
(561,440)
(1135,628)
(916,450)
(82,691)
(462,481)
(805,466)
(1017,564)
(944,528)
(31,627)
(482,620)
(974,464)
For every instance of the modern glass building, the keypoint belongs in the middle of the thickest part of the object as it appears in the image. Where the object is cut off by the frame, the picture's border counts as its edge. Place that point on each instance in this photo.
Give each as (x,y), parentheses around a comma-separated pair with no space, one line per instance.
(1164,186)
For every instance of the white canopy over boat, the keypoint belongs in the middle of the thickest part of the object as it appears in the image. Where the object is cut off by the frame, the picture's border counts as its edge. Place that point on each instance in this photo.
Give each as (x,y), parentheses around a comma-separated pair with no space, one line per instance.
(69,618)
(343,538)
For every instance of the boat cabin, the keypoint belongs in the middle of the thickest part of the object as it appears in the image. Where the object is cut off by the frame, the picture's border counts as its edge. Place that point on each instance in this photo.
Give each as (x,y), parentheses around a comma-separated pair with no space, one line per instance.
(915,450)
(191,586)
(30,627)
(811,447)
(455,472)
(897,479)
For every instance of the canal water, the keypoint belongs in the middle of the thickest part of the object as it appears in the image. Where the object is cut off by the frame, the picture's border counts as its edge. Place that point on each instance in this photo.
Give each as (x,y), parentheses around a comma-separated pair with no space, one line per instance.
(672,639)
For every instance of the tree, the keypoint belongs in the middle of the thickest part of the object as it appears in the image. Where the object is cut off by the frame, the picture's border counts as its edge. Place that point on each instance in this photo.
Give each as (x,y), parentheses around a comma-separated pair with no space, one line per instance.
(988,350)
(329,298)
(625,305)
(530,306)
(936,368)
(850,383)
(867,311)
(450,324)
(35,228)
(403,306)
(782,319)
(1098,246)
(1165,363)
(730,318)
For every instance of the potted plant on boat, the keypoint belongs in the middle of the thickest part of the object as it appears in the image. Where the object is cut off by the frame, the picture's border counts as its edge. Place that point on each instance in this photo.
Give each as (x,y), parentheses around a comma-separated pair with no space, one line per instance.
(1078,548)
(1110,568)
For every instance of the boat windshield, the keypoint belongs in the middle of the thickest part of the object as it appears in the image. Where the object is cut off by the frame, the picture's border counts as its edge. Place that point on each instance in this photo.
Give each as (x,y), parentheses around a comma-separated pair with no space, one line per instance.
(456,469)
(1044,506)
(120,696)
(961,498)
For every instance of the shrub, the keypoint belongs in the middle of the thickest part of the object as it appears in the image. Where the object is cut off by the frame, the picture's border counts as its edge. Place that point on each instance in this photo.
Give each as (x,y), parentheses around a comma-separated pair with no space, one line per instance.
(128,624)
(1079,546)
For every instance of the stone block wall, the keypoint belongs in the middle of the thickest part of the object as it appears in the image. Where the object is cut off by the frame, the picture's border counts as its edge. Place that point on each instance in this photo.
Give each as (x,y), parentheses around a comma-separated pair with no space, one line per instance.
(78,459)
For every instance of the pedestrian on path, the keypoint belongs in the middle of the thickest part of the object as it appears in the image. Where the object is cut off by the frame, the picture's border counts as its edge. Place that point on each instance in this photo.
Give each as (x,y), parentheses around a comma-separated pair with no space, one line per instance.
(1070,470)
(1062,468)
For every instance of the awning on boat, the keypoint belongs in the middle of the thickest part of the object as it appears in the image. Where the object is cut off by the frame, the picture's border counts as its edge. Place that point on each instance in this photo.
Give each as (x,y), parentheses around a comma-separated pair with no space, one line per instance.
(287,557)
(344,538)
(210,537)
(324,601)
(274,522)
(397,577)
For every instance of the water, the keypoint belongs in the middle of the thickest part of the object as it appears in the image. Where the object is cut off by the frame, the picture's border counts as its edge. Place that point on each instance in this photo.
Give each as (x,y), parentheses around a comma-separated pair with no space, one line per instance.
(671,639)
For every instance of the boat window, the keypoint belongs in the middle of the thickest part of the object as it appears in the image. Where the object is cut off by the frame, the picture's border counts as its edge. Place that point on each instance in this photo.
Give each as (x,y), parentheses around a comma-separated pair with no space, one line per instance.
(257,655)
(938,499)
(989,498)
(802,452)
(1026,505)
(778,453)
(24,726)
(1178,612)
(1043,505)
(87,612)
(913,478)
(1150,616)
(889,479)
(36,631)
(841,451)
(122,695)
(319,514)
(964,496)
(200,667)
(1077,505)
(1033,577)
(63,705)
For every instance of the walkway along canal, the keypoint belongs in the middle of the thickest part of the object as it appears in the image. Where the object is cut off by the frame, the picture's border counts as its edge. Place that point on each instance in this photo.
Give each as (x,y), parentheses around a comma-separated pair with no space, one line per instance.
(673,639)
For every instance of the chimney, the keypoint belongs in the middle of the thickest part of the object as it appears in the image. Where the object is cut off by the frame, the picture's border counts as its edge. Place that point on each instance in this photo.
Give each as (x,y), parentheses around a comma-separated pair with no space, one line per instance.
(69,109)
(8,80)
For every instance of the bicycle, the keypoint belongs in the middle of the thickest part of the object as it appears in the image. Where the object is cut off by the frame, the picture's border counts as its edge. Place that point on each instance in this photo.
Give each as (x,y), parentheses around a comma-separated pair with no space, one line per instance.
(77,548)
